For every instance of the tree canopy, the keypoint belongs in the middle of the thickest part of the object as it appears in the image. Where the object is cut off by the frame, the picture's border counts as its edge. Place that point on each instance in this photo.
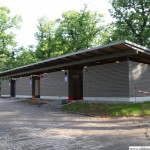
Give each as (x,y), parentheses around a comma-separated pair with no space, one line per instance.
(132,20)
(81,29)
(8,24)
(74,31)
(45,36)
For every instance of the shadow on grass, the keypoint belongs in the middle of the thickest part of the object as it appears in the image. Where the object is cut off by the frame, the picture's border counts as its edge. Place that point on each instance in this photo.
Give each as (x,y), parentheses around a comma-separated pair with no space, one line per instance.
(101,109)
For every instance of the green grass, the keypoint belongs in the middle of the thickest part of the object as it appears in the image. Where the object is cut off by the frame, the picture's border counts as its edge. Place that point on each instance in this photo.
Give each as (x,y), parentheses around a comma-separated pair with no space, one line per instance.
(99,109)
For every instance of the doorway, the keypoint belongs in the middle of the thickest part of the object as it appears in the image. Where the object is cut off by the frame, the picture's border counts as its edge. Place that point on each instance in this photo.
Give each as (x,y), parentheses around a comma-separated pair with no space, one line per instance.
(12,87)
(35,87)
(75,84)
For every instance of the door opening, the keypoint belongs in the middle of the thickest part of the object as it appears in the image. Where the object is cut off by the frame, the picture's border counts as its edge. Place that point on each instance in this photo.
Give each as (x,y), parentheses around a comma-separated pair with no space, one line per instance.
(76,87)
(12,87)
(35,87)
(76,84)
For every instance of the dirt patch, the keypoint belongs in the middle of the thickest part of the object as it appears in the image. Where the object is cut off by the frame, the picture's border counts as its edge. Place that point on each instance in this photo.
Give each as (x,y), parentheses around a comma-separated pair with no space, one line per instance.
(36,102)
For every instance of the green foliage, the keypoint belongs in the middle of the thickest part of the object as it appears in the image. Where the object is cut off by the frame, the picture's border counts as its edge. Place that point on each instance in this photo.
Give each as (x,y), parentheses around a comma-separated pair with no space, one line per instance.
(26,56)
(74,31)
(22,56)
(80,30)
(11,56)
(7,26)
(101,109)
(132,20)
(136,109)
(46,38)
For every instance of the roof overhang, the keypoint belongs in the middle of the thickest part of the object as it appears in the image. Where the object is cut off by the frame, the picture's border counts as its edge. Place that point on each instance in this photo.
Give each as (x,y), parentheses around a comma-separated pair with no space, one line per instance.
(107,53)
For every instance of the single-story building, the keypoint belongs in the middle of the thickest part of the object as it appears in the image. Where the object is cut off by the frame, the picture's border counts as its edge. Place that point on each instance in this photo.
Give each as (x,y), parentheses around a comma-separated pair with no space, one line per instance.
(118,71)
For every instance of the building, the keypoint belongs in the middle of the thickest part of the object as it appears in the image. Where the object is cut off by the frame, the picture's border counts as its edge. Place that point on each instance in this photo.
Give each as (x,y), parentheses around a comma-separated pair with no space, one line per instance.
(118,71)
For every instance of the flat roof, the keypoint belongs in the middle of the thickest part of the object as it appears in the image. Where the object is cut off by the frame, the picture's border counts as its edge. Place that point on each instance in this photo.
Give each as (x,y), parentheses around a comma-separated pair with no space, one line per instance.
(107,52)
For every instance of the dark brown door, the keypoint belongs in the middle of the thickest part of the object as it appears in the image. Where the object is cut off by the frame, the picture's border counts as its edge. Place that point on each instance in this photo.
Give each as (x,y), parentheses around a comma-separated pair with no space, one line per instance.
(76,87)
(75,84)
(13,88)
(35,87)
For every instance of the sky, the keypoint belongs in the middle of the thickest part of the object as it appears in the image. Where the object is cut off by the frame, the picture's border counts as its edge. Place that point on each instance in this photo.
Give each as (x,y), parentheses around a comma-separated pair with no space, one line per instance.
(31,10)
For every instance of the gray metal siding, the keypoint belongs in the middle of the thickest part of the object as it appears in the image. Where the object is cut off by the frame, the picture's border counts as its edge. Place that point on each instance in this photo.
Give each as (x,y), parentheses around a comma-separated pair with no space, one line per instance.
(23,86)
(139,75)
(53,84)
(5,87)
(108,80)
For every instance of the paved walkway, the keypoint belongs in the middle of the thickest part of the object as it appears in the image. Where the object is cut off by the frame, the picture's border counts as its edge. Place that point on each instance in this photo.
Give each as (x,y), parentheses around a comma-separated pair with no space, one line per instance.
(25,127)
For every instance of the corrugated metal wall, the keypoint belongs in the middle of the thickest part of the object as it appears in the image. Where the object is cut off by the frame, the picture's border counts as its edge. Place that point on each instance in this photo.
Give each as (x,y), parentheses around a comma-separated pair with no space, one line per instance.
(23,86)
(108,80)
(5,88)
(53,84)
(139,75)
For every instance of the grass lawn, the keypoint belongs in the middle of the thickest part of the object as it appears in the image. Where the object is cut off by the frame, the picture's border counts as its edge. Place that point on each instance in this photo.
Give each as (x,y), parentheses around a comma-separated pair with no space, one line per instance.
(100,109)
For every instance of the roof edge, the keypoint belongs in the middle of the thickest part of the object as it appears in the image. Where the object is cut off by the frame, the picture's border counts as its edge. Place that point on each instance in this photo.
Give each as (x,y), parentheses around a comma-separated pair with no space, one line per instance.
(82,51)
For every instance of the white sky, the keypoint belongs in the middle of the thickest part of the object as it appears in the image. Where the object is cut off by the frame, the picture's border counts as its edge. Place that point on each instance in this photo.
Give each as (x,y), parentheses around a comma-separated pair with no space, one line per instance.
(30,10)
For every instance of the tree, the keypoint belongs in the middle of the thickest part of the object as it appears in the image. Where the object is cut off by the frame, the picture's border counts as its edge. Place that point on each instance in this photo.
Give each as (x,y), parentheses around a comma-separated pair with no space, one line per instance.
(7,26)
(81,29)
(22,57)
(26,56)
(74,31)
(132,20)
(46,38)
